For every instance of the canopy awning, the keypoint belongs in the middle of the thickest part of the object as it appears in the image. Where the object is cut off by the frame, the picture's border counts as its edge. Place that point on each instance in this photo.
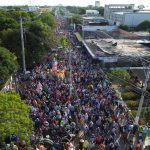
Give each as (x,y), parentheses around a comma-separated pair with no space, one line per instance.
(78,36)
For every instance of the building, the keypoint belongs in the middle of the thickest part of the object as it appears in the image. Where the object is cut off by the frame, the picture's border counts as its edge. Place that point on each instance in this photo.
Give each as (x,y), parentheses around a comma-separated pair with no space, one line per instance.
(120,51)
(46,8)
(92,12)
(125,14)
(90,6)
(93,19)
(97,3)
(33,8)
(110,9)
(131,19)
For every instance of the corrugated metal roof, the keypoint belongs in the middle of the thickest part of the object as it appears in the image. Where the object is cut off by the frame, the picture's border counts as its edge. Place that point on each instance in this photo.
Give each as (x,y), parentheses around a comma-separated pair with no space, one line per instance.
(78,37)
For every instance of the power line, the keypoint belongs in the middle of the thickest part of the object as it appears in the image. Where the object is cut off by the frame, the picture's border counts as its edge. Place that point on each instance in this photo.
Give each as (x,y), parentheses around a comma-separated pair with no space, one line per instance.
(142,97)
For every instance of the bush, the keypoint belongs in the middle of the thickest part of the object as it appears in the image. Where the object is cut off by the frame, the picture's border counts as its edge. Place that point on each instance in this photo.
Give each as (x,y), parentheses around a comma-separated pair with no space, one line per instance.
(145,25)
(134,112)
(130,95)
(142,121)
(124,27)
(132,103)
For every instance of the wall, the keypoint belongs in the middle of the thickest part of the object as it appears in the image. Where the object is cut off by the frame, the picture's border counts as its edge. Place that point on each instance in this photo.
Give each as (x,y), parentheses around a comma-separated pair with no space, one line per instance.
(95,28)
(133,19)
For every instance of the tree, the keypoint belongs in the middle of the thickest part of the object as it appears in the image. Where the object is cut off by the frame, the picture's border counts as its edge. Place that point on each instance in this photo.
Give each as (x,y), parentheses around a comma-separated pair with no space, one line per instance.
(81,10)
(6,23)
(39,34)
(77,19)
(143,25)
(119,75)
(39,40)
(64,41)
(14,117)
(148,30)
(101,10)
(49,19)
(124,27)
(8,64)
(76,10)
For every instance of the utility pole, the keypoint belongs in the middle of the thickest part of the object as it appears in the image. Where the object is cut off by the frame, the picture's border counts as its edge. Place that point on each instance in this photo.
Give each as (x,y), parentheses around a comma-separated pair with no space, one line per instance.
(22,44)
(82,33)
(83,30)
(70,73)
(142,96)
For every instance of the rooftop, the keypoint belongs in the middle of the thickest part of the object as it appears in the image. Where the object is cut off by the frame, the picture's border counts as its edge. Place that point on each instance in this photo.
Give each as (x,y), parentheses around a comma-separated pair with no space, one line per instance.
(129,12)
(117,47)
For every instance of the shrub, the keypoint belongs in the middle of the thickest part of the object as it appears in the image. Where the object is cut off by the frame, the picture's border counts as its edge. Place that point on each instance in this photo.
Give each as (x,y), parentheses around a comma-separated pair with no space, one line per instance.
(124,27)
(130,95)
(132,103)
(142,121)
(134,112)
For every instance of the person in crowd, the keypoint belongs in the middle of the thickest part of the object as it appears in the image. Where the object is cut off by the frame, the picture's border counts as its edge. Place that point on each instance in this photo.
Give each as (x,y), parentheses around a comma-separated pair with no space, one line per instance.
(88,103)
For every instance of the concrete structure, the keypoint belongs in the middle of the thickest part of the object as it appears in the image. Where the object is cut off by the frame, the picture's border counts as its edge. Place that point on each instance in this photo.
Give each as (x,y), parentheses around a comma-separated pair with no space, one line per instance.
(87,19)
(97,3)
(125,14)
(33,8)
(122,52)
(131,19)
(95,28)
(46,8)
(94,19)
(92,13)
(110,9)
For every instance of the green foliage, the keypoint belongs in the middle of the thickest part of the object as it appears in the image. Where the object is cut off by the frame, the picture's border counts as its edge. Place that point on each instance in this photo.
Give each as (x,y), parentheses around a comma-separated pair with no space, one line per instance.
(124,27)
(148,30)
(61,12)
(132,103)
(37,27)
(8,64)
(39,34)
(11,40)
(76,10)
(129,96)
(64,41)
(146,114)
(101,10)
(6,148)
(48,18)
(145,25)
(77,19)
(14,117)
(134,112)
(115,75)
(6,23)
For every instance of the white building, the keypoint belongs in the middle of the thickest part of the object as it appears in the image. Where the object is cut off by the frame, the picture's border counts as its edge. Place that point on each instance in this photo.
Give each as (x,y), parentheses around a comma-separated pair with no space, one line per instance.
(131,19)
(33,8)
(92,12)
(124,14)
(97,3)
(96,28)
(110,9)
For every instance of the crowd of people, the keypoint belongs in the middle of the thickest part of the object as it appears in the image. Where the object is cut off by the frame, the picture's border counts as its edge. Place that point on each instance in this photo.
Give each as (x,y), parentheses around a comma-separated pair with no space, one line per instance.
(81,100)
